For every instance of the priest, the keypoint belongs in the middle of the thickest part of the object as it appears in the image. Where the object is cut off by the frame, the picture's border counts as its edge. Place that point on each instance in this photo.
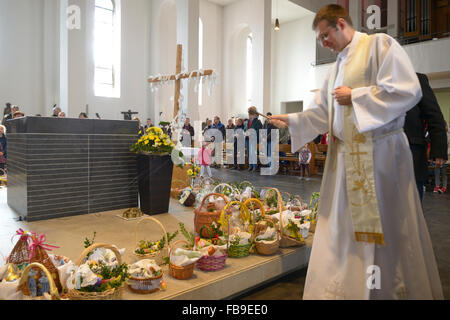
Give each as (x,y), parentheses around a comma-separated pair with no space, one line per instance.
(371,239)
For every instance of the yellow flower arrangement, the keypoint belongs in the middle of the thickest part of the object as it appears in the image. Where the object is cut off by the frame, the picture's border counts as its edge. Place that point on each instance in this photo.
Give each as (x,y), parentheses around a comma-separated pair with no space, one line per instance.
(194,172)
(152,142)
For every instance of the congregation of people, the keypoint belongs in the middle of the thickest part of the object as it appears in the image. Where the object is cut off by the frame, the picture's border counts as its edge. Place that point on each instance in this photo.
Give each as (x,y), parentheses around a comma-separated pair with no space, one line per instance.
(424,127)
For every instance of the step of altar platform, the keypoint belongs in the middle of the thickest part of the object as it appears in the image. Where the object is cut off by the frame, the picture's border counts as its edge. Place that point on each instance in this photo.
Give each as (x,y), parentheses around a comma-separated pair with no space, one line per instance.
(239,275)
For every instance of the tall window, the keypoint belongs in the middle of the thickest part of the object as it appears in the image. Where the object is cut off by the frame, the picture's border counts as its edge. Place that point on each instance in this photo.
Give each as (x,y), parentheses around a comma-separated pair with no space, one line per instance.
(200,59)
(249,69)
(107,48)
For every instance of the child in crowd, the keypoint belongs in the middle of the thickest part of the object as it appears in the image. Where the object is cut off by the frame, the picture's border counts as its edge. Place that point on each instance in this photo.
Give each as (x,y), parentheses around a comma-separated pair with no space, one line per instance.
(305,158)
(204,159)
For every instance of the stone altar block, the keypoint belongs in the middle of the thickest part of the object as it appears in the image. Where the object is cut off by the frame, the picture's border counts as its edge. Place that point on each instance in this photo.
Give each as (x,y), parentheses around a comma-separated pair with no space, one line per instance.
(61,167)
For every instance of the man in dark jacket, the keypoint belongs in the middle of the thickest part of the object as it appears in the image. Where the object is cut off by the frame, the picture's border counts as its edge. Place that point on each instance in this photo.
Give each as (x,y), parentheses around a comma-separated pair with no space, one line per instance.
(426,116)
(252,123)
(269,127)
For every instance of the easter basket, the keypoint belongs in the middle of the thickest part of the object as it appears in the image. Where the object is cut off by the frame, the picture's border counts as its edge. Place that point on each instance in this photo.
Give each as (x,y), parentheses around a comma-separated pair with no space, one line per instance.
(110,294)
(180,272)
(177,188)
(235,250)
(286,241)
(39,255)
(206,217)
(213,262)
(159,255)
(24,282)
(263,248)
(145,285)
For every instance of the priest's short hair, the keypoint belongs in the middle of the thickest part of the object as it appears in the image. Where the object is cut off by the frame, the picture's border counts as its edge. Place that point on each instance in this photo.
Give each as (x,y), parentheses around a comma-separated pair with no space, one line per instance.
(332,13)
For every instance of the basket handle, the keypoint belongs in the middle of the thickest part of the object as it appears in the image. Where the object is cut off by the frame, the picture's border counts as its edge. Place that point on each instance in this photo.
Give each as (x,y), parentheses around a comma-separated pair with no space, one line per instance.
(280,205)
(226,185)
(210,195)
(96,246)
(23,280)
(150,219)
(178,242)
(175,181)
(248,183)
(260,205)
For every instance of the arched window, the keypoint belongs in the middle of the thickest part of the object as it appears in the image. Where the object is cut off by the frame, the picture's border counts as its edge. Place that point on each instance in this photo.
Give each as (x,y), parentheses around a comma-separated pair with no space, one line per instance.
(200,59)
(107,48)
(249,89)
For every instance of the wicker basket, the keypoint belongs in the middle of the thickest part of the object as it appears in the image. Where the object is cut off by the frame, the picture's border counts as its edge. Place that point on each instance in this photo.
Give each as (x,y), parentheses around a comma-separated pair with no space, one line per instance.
(285,241)
(111,294)
(177,272)
(145,286)
(177,187)
(296,208)
(213,263)
(157,256)
(205,217)
(241,250)
(245,184)
(23,283)
(263,248)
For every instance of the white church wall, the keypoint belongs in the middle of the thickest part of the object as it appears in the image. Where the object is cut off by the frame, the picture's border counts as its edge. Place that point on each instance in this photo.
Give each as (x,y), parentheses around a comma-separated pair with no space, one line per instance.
(134,63)
(238,16)
(212,17)
(293,76)
(29,56)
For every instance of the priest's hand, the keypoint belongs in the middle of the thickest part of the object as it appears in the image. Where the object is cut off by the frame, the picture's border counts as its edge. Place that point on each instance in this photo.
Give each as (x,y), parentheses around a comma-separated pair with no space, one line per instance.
(343,95)
(280,121)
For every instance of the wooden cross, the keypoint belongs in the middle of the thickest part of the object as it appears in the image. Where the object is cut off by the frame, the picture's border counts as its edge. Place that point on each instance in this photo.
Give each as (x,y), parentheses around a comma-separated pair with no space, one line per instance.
(177,77)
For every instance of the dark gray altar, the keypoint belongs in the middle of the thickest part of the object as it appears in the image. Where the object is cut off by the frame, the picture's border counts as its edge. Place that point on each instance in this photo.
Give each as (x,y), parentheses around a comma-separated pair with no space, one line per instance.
(63,167)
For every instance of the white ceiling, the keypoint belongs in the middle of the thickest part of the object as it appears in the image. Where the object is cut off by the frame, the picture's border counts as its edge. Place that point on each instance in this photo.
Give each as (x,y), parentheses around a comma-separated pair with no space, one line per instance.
(284,10)
(287,11)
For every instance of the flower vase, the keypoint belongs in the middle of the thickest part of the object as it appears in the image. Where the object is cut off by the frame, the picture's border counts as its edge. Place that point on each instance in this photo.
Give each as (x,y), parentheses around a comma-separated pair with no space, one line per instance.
(154,181)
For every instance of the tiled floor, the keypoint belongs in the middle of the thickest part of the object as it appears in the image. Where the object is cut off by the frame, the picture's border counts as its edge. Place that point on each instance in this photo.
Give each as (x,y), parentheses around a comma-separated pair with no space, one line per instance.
(436,210)
(290,287)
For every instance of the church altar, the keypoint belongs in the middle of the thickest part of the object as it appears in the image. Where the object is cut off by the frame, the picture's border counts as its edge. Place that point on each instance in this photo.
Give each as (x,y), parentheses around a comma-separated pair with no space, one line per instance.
(60,167)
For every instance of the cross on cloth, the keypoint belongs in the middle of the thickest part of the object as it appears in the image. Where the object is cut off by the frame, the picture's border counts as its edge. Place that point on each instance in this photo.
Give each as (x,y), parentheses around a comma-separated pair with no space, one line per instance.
(178,76)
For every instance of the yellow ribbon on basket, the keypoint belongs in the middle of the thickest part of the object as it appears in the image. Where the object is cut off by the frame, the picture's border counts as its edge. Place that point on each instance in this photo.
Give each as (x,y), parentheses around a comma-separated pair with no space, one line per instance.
(244,215)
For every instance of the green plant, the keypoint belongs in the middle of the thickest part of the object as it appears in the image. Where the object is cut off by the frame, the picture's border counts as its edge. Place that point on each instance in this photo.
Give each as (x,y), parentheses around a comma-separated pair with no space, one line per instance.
(188,235)
(294,230)
(111,277)
(88,243)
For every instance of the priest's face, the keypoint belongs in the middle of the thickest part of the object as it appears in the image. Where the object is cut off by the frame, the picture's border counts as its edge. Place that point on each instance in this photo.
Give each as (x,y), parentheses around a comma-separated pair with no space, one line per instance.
(330,37)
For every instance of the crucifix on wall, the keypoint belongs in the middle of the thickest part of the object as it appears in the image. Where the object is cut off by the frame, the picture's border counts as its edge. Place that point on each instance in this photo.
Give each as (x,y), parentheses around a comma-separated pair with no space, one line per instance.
(128,114)
(177,77)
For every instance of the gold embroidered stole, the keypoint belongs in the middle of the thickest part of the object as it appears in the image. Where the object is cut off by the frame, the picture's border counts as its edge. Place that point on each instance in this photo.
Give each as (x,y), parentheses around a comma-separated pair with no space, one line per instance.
(359,166)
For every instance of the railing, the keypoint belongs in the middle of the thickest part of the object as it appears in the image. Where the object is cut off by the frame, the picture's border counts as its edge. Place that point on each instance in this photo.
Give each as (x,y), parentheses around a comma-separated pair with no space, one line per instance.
(402,40)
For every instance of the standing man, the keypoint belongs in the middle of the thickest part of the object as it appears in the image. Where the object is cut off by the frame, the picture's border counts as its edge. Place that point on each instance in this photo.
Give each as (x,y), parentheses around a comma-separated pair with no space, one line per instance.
(219,126)
(188,134)
(149,124)
(426,116)
(371,239)
(255,124)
